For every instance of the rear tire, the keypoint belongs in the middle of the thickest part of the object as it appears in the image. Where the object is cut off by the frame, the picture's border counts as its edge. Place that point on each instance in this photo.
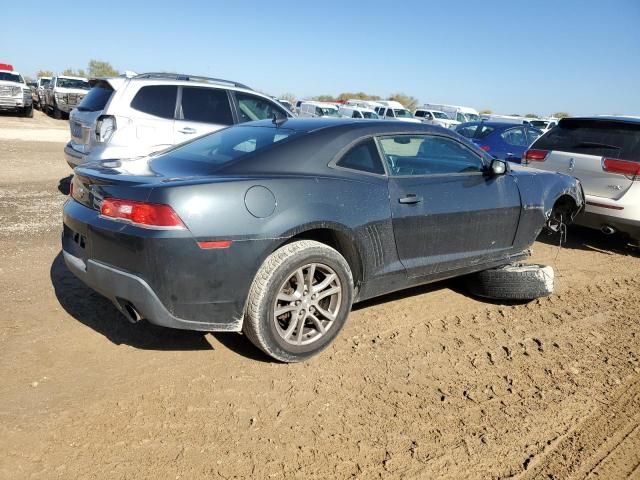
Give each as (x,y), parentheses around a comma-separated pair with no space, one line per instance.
(311,285)
(513,282)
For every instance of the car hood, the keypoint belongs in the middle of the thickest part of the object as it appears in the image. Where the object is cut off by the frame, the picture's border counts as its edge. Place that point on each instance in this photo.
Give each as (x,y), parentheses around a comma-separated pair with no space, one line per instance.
(71,90)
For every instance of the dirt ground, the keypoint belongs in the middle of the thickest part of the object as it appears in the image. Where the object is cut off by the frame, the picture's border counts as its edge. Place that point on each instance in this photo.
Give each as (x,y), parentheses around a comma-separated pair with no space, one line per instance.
(429,383)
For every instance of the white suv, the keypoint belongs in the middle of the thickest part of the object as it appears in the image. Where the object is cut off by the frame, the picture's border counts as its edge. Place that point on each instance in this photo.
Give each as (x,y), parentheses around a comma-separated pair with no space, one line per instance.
(124,117)
(435,117)
(604,154)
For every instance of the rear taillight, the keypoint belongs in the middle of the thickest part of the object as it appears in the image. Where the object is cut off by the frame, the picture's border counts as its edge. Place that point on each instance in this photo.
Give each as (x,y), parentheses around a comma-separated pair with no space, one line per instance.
(534,155)
(485,147)
(148,215)
(105,126)
(623,167)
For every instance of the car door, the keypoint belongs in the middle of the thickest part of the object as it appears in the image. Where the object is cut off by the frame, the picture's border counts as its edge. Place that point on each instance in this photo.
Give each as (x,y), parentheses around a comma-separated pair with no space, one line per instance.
(201,110)
(151,113)
(515,143)
(447,213)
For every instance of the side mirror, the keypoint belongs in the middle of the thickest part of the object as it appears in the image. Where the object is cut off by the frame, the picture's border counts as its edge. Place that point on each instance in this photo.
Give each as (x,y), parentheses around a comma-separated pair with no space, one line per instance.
(498,167)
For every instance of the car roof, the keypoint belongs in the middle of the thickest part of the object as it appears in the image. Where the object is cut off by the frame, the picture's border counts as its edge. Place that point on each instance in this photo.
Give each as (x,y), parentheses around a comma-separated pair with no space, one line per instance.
(492,124)
(10,71)
(375,126)
(71,77)
(603,118)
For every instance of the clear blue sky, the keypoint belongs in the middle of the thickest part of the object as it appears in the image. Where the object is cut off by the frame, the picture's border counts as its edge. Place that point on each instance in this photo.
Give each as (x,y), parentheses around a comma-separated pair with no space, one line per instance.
(510,56)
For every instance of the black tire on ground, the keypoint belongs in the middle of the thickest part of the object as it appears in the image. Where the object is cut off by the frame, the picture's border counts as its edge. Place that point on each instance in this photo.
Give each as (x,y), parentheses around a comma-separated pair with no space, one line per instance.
(513,282)
(277,288)
(57,113)
(28,112)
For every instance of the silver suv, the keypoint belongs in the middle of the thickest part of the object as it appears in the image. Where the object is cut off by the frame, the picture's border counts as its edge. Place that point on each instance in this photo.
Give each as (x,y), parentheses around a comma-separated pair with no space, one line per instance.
(131,117)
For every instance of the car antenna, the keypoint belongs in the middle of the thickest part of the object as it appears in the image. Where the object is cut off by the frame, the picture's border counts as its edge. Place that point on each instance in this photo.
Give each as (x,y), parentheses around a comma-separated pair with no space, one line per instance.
(278,121)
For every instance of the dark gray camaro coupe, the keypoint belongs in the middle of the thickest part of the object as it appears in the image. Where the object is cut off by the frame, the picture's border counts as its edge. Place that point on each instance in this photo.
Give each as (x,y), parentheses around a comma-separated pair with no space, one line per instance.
(276,228)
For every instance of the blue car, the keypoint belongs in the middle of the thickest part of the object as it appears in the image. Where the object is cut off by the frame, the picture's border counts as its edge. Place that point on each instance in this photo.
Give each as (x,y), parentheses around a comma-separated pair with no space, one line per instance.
(506,141)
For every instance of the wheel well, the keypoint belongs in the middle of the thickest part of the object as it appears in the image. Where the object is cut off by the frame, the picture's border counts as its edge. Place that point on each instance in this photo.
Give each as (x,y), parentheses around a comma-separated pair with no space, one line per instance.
(565,204)
(338,241)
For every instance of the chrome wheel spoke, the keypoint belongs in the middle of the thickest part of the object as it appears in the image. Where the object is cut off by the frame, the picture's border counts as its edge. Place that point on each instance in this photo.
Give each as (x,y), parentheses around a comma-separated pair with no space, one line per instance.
(310,274)
(326,314)
(300,282)
(324,283)
(286,297)
(284,309)
(317,323)
(300,329)
(328,292)
(292,326)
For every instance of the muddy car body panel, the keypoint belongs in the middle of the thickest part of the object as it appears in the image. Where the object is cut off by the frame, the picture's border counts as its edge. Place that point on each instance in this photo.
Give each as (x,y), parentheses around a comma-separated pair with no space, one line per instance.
(395,230)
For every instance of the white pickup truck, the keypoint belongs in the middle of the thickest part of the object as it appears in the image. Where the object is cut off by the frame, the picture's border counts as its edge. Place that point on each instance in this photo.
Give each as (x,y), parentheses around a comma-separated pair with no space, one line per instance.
(15,94)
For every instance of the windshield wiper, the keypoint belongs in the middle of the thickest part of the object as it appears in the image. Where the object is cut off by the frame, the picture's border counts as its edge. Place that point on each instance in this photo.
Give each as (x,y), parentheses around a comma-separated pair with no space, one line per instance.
(596,145)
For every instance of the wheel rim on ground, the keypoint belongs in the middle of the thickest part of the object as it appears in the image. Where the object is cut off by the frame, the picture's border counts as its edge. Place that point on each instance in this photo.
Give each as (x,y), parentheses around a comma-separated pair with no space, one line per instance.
(307,304)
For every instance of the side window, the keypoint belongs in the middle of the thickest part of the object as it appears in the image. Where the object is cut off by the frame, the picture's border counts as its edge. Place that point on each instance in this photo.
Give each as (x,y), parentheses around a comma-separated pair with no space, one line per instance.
(363,157)
(419,113)
(428,155)
(318,112)
(467,131)
(356,114)
(252,108)
(207,105)
(515,136)
(533,133)
(460,117)
(158,100)
(389,113)
(428,116)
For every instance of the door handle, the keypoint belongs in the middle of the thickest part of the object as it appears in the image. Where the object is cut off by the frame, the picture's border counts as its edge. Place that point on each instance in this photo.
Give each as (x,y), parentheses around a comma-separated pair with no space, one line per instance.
(188,130)
(410,199)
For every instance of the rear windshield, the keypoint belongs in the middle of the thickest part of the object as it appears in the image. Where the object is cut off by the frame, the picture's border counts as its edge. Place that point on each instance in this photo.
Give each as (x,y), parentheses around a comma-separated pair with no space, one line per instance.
(474,131)
(73,83)
(594,137)
(224,146)
(97,98)
(538,123)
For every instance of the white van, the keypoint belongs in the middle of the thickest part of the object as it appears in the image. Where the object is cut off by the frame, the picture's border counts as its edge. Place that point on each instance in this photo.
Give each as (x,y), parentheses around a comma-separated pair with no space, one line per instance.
(455,112)
(516,119)
(392,110)
(318,109)
(356,102)
(349,111)
(435,117)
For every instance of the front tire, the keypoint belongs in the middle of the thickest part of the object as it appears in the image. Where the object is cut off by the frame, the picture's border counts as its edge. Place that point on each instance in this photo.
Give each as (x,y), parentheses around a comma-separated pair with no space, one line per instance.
(28,112)
(299,301)
(57,113)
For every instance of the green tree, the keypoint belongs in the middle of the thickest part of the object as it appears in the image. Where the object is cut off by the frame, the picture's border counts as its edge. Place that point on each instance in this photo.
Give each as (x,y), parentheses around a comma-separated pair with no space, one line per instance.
(408,101)
(531,115)
(44,73)
(325,98)
(343,97)
(98,68)
(561,114)
(289,97)
(486,111)
(74,73)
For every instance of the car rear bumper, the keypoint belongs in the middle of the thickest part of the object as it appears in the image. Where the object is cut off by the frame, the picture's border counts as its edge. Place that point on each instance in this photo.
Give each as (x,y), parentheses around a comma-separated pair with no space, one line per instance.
(160,276)
(623,215)
(135,299)
(74,157)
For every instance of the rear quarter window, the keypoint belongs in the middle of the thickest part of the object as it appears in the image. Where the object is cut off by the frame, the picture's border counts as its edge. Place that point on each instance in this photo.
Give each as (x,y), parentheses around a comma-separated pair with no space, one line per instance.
(594,137)
(157,100)
(206,105)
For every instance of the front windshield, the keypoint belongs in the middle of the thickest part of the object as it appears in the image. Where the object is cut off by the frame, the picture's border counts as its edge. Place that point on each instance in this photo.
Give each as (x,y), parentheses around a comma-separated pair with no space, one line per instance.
(329,112)
(224,146)
(370,115)
(402,113)
(73,83)
(10,77)
(44,82)
(441,115)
